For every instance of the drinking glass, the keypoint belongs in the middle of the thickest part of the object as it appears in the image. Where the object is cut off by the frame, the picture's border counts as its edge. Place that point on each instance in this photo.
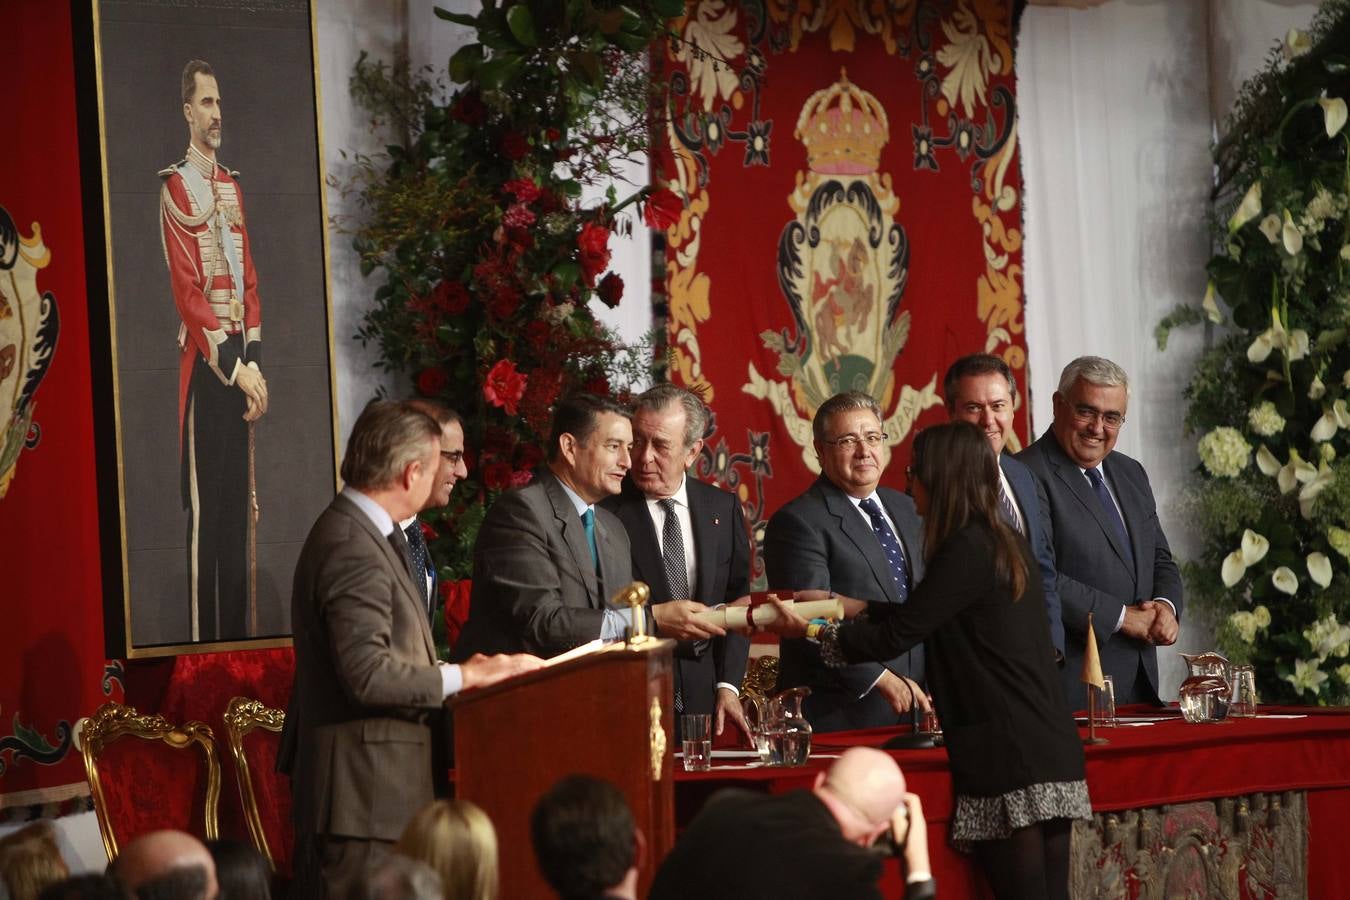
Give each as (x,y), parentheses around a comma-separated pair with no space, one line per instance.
(696,732)
(1102,701)
(1244,692)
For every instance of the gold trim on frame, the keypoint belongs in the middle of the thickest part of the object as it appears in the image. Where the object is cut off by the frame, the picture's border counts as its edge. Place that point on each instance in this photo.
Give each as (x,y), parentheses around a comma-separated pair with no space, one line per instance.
(112,722)
(657,734)
(241,717)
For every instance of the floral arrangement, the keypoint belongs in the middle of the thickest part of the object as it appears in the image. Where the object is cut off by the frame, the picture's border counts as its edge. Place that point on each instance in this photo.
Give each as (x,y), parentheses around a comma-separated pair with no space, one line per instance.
(1268,401)
(489,260)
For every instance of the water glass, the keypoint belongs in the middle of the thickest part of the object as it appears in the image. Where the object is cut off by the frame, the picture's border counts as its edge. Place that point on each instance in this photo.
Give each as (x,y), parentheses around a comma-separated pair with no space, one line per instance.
(1244,692)
(1102,703)
(696,733)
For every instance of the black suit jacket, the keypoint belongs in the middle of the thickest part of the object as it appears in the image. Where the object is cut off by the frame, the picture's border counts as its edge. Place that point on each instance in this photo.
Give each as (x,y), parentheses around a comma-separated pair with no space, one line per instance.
(819,540)
(751,846)
(1095,572)
(995,684)
(721,570)
(1027,495)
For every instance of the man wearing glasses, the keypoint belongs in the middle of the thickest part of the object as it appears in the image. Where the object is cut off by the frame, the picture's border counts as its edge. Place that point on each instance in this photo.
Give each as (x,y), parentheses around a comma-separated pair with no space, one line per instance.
(847,535)
(1110,550)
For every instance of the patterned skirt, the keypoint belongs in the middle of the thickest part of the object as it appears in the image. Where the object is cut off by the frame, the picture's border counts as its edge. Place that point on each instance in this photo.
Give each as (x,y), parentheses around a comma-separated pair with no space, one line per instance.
(995,818)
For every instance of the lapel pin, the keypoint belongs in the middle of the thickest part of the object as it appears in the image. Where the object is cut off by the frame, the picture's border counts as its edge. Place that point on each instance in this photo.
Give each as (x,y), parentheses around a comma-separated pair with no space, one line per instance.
(716,520)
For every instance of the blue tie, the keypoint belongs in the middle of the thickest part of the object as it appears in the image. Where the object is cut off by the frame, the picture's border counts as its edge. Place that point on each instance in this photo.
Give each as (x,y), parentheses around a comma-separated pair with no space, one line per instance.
(1112,514)
(895,554)
(588,523)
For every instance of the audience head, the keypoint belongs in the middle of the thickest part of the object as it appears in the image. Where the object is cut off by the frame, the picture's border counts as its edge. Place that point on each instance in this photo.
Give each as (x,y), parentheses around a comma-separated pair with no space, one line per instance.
(589,448)
(398,877)
(585,839)
(166,865)
(980,389)
(30,860)
(394,450)
(457,840)
(850,443)
(862,790)
(1090,407)
(452,467)
(85,887)
(242,873)
(668,426)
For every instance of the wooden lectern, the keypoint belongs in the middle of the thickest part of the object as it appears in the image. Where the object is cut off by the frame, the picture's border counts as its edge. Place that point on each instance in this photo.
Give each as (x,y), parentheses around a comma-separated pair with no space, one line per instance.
(605,714)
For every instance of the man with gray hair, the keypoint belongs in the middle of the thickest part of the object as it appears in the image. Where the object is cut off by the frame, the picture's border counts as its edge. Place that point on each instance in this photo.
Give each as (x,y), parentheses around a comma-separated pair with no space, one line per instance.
(1110,551)
(689,540)
(357,741)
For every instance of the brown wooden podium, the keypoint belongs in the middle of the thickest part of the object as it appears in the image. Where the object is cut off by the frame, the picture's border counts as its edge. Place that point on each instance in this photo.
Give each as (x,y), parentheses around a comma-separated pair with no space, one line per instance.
(605,714)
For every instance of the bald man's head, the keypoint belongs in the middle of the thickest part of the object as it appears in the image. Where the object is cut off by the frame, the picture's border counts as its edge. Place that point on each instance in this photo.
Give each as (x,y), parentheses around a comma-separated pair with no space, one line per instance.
(167,863)
(862,789)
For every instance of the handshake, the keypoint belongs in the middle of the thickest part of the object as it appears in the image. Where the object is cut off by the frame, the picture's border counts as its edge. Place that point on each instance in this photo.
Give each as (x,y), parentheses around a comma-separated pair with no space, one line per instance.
(1152,621)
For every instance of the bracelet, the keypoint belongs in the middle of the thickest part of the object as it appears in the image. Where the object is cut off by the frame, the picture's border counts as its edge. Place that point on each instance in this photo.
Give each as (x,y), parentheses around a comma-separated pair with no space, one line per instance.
(814,627)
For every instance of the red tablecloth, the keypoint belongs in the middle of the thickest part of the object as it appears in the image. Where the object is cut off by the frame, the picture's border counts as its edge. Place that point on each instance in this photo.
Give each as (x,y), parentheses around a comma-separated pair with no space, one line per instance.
(1142,765)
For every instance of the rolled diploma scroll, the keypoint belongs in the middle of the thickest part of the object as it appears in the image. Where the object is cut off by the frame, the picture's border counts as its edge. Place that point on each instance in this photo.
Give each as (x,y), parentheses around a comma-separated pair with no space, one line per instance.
(762,614)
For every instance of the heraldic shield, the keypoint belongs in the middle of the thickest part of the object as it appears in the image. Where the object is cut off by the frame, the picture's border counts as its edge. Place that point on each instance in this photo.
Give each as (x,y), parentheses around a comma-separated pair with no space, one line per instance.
(842,267)
(28,327)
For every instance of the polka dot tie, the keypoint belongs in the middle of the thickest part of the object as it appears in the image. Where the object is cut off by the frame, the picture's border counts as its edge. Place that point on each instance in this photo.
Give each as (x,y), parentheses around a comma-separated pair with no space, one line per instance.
(895,554)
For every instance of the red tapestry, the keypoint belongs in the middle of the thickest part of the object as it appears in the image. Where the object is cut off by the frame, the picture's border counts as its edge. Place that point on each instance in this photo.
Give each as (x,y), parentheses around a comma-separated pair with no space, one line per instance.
(852,220)
(52,668)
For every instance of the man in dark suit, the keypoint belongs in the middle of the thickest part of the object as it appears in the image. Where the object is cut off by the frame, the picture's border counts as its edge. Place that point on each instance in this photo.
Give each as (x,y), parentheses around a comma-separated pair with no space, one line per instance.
(689,541)
(847,535)
(1110,551)
(357,741)
(816,843)
(980,389)
(450,469)
(548,561)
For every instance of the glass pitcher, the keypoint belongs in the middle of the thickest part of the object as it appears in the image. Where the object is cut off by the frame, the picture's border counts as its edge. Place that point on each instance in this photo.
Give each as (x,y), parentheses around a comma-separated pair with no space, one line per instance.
(1204,698)
(791,723)
(758,711)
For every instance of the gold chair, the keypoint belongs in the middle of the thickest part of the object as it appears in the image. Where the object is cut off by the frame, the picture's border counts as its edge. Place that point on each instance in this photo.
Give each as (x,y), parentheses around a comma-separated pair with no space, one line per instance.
(241,717)
(761,676)
(140,802)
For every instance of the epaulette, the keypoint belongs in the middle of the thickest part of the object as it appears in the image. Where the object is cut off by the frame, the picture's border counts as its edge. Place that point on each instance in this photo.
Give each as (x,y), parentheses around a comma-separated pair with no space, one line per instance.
(165,173)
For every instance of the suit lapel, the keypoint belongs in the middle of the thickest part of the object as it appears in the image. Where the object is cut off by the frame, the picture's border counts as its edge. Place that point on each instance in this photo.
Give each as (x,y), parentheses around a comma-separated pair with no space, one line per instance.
(574,536)
(705,543)
(647,563)
(1067,471)
(860,533)
(1134,515)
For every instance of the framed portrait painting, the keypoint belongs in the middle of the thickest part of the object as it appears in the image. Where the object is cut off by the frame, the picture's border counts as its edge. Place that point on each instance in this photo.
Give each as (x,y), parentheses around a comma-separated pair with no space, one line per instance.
(218,315)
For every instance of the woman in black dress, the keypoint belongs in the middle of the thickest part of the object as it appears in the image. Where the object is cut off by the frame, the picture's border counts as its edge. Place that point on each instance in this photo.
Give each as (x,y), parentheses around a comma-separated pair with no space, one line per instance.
(1016,758)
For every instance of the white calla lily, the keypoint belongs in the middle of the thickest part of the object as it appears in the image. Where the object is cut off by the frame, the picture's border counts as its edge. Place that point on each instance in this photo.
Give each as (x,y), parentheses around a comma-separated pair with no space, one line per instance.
(1333,114)
(1266,461)
(1317,389)
(1340,413)
(1295,472)
(1345,379)
(1290,236)
(1210,305)
(1307,495)
(1233,568)
(1296,43)
(1285,580)
(1319,569)
(1297,346)
(1261,347)
(1270,227)
(1254,547)
(1325,429)
(1248,209)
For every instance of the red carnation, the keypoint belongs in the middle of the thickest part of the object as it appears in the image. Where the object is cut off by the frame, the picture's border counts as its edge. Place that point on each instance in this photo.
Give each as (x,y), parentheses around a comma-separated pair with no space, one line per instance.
(593,251)
(520,478)
(504,386)
(523,189)
(430,382)
(514,145)
(497,476)
(662,209)
(610,290)
(518,215)
(469,109)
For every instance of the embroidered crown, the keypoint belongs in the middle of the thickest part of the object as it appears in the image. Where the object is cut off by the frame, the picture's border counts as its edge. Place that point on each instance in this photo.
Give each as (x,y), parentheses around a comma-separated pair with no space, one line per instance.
(843,129)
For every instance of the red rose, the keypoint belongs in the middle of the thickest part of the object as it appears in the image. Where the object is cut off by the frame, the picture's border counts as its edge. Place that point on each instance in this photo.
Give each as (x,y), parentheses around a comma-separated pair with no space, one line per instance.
(593,251)
(523,189)
(662,209)
(497,476)
(430,382)
(521,478)
(518,215)
(610,290)
(450,297)
(469,109)
(514,145)
(504,386)
(455,598)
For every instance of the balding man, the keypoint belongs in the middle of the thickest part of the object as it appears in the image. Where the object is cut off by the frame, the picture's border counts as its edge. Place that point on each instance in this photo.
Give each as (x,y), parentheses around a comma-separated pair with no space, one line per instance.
(166,865)
(814,843)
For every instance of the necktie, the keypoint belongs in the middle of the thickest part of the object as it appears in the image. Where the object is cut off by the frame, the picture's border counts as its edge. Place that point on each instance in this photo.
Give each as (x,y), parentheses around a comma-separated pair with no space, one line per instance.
(1112,514)
(421,560)
(588,523)
(895,554)
(677,574)
(1009,509)
(399,542)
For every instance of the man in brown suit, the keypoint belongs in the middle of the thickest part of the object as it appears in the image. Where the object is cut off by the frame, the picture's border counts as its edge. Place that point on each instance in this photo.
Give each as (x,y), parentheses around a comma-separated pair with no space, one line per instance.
(357,743)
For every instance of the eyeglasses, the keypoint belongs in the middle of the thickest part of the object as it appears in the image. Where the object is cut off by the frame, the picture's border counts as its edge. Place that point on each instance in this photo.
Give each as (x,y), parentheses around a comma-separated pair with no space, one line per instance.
(1086,415)
(454,457)
(851,441)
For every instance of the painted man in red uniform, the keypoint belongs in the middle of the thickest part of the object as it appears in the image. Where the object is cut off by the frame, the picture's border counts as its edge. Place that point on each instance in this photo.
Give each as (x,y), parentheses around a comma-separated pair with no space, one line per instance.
(221,390)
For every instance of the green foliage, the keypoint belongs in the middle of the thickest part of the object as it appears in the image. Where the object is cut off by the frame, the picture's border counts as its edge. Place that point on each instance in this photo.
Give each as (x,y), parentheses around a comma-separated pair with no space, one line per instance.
(1282,270)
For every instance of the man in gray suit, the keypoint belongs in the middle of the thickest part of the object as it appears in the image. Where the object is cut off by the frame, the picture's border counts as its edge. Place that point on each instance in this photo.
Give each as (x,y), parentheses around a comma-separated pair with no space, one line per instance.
(849,536)
(1110,550)
(357,741)
(548,560)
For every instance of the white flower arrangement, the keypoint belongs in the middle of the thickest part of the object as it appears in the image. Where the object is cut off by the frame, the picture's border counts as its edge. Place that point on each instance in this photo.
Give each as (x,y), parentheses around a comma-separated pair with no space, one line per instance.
(1265,420)
(1224,452)
(1327,637)
(1306,677)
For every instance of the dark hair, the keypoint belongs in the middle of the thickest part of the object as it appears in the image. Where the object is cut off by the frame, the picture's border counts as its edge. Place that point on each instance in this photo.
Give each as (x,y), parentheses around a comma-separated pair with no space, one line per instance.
(583,836)
(579,415)
(190,71)
(972,365)
(241,871)
(179,883)
(387,436)
(443,414)
(839,403)
(960,473)
(85,887)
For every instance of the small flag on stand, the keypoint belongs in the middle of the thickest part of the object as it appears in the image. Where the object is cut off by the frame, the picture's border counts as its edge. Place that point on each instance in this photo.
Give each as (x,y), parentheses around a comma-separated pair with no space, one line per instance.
(1092,677)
